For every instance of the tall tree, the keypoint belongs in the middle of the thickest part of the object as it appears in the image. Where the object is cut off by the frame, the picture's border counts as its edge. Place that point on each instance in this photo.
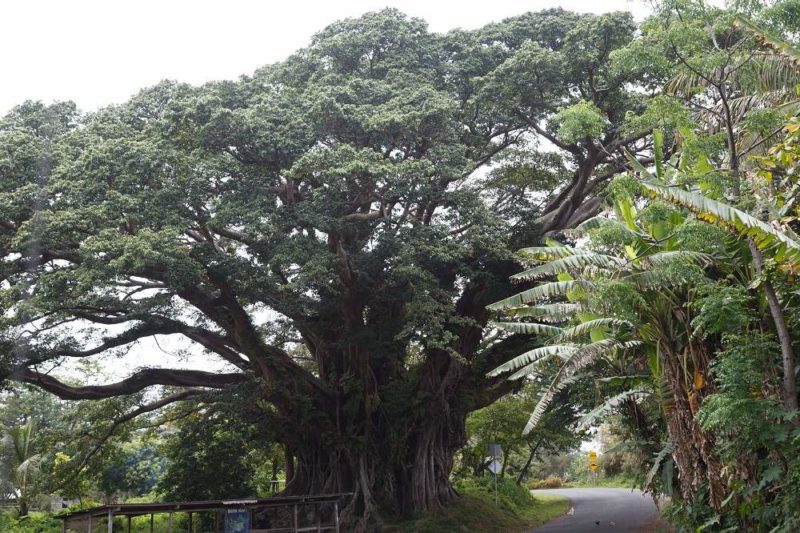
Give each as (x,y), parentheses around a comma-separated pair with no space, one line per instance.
(320,227)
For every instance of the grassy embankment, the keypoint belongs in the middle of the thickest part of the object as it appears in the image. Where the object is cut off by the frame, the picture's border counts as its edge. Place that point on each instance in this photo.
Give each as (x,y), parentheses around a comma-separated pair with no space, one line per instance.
(516,510)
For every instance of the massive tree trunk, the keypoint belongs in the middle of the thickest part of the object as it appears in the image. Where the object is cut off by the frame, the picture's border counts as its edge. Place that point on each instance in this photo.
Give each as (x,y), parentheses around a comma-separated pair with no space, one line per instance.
(379,480)
(400,464)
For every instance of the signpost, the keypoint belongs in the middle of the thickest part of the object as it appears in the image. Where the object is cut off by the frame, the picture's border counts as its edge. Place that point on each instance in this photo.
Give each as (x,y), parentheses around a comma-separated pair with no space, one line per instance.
(495,452)
(593,462)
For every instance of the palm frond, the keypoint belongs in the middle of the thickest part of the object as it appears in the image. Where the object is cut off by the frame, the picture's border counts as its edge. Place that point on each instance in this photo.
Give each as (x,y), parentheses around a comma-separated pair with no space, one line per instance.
(628,380)
(533,356)
(686,83)
(546,290)
(576,361)
(555,312)
(544,402)
(571,263)
(584,328)
(765,236)
(546,253)
(609,405)
(660,456)
(531,328)
(769,40)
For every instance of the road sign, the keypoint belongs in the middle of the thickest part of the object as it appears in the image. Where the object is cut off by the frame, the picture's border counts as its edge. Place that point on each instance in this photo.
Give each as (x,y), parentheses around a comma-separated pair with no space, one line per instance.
(495,450)
(593,461)
(495,467)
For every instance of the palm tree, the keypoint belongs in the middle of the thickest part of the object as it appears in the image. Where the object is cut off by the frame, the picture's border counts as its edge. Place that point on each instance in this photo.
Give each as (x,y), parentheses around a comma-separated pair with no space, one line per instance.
(19,447)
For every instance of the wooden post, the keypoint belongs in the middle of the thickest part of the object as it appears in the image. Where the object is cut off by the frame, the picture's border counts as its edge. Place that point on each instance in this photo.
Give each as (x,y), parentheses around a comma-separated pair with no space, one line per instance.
(295,518)
(336,515)
(129,523)
(64,525)
(169,525)
(90,524)
(317,512)
(110,521)
(190,522)
(152,519)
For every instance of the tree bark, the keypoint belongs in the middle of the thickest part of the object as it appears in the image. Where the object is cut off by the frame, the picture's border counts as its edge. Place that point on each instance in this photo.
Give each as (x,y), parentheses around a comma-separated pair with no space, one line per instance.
(784,337)
(408,476)
(528,462)
(693,448)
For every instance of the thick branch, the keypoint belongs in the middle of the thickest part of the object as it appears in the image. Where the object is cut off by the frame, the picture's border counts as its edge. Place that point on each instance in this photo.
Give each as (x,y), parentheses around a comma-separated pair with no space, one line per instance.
(133,384)
(143,409)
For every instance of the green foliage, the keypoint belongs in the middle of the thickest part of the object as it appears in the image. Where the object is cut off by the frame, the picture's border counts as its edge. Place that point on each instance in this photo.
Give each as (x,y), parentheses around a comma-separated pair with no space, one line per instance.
(502,423)
(580,121)
(745,410)
(550,482)
(208,460)
(511,497)
(32,523)
(341,195)
(133,468)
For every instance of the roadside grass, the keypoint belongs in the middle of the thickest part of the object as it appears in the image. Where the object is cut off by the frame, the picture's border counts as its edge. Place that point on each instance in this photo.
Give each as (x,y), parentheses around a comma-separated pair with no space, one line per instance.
(476,511)
(610,482)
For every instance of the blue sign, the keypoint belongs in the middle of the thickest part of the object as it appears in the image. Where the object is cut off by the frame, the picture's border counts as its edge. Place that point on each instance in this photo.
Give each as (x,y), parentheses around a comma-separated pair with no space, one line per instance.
(237,521)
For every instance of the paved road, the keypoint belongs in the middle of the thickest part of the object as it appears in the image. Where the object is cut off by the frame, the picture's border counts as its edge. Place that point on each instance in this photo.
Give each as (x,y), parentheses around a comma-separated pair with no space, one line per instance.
(603,510)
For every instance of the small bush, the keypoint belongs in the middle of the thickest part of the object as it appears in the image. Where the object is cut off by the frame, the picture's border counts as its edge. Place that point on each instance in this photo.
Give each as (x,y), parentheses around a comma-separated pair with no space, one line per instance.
(551,482)
(33,523)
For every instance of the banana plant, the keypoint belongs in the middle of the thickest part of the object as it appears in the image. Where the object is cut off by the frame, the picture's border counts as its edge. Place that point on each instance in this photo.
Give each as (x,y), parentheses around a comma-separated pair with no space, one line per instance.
(639,353)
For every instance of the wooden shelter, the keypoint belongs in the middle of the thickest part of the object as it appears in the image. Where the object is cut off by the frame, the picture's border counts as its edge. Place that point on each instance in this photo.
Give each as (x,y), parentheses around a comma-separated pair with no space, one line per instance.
(266,515)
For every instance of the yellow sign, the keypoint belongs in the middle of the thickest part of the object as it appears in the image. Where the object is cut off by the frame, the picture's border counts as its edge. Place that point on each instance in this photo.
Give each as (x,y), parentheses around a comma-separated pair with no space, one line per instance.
(593,461)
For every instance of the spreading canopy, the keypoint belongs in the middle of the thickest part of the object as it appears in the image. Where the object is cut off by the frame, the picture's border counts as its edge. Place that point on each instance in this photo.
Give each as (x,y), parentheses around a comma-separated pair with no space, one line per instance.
(326,227)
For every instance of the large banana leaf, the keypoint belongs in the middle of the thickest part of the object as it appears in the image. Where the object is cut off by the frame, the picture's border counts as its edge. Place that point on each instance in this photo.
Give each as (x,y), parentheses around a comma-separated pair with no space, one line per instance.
(531,328)
(609,405)
(765,236)
(546,290)
(533,356)
(769,40)
(584,328)
(576,261)
(578,359)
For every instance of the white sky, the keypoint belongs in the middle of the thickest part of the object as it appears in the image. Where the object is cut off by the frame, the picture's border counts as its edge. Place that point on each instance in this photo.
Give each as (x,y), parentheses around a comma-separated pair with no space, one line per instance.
(98,52)
(101,52)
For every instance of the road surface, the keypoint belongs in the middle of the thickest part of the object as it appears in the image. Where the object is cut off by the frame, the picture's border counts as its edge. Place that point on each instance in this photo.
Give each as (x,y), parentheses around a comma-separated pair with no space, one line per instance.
(603,510)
